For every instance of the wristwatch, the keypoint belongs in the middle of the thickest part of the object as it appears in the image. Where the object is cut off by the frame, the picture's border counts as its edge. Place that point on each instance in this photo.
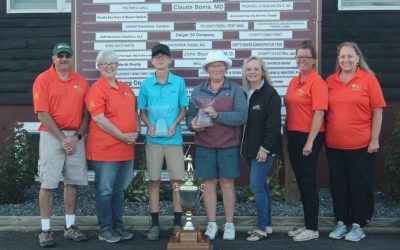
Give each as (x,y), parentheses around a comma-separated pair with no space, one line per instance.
(78,135)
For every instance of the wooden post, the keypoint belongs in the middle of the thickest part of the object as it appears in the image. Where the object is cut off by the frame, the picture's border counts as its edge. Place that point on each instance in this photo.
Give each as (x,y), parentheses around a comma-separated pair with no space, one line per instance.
(292,192)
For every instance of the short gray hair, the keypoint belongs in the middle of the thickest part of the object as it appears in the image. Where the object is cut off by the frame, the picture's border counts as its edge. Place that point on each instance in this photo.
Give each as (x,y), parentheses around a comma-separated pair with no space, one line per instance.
(106,55)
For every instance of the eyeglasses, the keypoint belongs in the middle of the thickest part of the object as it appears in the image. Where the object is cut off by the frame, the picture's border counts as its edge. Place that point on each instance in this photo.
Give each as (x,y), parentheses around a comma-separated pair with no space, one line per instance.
(62,55)
(216,66)
(105,65)
(162,57)
(304,58)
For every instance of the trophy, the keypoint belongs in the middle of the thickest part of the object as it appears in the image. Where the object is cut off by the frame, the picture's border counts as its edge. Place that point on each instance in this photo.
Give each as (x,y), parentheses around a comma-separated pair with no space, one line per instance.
(189,237)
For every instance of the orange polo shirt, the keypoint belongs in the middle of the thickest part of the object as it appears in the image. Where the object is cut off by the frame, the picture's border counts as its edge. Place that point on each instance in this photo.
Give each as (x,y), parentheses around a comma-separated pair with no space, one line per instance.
(349,117)
(119,107)
(63,100)
(302,99)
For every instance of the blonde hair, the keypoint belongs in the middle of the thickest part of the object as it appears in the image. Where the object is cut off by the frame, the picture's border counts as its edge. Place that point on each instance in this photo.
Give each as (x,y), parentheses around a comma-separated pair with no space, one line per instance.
(362,63)
(245,83)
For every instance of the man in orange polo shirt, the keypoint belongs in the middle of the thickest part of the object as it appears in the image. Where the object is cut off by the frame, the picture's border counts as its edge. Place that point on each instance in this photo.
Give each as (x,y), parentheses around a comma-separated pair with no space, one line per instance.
(58,101)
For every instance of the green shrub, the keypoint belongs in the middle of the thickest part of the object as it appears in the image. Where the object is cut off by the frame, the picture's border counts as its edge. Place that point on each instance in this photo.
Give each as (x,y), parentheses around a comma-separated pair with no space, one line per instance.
(18,166)
(138,188)
(392,166)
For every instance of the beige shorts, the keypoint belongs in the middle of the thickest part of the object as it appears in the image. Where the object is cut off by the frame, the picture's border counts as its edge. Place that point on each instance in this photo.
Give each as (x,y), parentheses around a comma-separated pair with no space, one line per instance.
(54,162)
(155,154)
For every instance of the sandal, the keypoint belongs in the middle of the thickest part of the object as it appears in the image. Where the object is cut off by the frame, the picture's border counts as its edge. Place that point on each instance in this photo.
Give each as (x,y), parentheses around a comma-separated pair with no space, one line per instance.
(256,236)
(269,231)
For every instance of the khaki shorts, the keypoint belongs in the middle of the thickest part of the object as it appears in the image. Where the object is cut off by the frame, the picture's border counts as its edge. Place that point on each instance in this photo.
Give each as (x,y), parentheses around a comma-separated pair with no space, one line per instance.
(155,154)
(54,163)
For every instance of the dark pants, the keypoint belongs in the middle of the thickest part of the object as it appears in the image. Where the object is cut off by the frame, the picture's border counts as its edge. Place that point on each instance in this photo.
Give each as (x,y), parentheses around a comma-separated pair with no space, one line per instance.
(305,170)
(352,186)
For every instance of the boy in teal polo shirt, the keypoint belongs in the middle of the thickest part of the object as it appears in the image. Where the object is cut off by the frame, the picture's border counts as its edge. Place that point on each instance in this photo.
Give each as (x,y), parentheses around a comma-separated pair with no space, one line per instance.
(162,103)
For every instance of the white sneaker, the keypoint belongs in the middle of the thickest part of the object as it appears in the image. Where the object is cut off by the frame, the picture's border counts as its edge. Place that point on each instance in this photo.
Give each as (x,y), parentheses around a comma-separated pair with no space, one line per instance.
(212,230)
(229,231)
(296,231)
(306,235)
(339,231)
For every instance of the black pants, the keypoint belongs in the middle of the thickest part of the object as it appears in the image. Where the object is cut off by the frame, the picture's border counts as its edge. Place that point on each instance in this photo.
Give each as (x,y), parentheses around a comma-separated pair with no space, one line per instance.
(352,186)
(305,170)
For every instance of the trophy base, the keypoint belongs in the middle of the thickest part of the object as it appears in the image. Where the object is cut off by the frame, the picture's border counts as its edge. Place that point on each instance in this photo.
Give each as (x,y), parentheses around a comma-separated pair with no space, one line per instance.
(189,239)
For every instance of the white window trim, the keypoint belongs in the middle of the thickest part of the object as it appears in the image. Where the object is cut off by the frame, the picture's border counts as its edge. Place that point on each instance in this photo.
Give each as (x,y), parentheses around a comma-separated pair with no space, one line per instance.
(364,6)
(62,7)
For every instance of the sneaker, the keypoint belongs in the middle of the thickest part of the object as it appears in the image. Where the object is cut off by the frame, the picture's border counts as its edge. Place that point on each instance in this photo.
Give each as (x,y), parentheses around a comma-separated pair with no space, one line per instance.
(125,235)
(356,233)
(154,233)
(229,231)
(212,230)
(110,236)
(46,238)
(296,231)
(339,231)
(73,233)
(306,235)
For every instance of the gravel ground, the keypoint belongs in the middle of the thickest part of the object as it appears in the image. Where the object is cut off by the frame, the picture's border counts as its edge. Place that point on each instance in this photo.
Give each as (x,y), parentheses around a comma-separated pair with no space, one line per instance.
(86,206)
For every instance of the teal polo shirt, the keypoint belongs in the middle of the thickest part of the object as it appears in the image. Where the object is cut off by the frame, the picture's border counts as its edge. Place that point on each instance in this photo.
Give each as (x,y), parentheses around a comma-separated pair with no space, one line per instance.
(172,94)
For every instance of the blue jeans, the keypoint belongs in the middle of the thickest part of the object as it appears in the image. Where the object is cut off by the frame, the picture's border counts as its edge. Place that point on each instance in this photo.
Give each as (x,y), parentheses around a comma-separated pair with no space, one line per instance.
(258,175)
(112,179)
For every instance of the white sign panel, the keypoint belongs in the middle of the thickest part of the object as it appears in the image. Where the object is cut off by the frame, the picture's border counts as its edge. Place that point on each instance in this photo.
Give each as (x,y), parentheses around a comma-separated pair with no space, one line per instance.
(230,73)
(256,44)
(134,55)
(135,7)
(132,65)
(119,46)
(198,35)
(283,72)
(107,36)
(265,35)
(265,15)
(280,63)
(259,6)
(284,53)
(281,25)
(195,7)
(134,73)
(148,26)
(181,63)
(203,53)
(188,44)
(222,26)
(121,17)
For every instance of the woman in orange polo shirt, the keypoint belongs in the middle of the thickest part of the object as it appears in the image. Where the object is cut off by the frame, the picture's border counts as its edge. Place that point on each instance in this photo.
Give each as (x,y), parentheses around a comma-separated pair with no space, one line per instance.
(353,126)
(306,102)
(113,131)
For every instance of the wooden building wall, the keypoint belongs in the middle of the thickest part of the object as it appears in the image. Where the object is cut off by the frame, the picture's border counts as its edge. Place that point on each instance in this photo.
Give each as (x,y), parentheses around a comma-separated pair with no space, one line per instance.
(376,32)
(26,42)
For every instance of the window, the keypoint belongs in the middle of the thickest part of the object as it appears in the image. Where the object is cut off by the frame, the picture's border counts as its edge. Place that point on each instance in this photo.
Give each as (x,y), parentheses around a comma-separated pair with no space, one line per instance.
(38,6)
(369,4)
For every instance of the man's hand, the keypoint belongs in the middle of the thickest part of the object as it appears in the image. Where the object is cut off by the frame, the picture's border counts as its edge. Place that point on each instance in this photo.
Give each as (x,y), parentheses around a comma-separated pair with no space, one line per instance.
(171,130)
(69,144)
(151,131)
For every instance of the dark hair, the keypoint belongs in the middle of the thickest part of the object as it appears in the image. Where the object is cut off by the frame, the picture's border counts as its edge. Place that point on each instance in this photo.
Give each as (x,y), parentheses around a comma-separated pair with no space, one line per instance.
(361,63)
(306,44)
